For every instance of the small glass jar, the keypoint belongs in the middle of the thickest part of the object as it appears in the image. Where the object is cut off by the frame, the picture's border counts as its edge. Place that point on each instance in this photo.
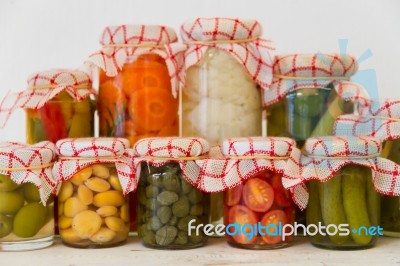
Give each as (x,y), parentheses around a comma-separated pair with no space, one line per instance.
(379,119)
(222,93)
(25,222)
(258,208)
(62,116)
(167,204)
(93,211)
(343,210)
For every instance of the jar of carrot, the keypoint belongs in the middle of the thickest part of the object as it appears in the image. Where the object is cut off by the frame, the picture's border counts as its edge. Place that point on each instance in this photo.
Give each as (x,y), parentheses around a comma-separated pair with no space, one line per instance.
(137,90)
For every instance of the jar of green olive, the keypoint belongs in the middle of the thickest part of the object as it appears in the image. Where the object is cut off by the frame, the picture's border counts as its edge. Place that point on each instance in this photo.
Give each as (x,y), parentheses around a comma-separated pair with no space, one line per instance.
(168,202)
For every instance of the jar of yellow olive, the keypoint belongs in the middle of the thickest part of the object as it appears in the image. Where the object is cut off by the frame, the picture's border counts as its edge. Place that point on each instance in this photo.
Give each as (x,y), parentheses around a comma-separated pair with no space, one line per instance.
(93,208)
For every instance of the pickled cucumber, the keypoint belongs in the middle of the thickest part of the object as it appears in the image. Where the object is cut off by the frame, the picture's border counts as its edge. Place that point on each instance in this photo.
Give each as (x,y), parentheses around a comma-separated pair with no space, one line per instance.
(354,186)
(330,195)
(373,199)
(309,102)
(313,211)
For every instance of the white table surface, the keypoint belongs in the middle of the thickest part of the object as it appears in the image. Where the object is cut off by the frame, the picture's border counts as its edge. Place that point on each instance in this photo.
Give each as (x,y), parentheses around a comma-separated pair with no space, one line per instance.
(216,252)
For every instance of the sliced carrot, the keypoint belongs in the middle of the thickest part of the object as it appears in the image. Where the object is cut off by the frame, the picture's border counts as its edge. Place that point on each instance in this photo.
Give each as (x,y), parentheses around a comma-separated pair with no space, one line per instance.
(169,130)
(153,108)
(112,104)
(140,74)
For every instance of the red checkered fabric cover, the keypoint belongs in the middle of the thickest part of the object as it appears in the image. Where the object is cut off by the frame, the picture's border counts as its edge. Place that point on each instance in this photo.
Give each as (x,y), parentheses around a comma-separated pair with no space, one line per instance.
(301,66)
(44,86)
(19,155)
(77,154)
(123,44)
(171,149)
(379,119)
(223,171)
(256,54)
(324,156)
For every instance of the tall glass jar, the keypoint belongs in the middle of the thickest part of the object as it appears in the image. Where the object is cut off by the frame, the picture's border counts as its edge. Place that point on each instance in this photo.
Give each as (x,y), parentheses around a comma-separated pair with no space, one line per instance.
(343,202)
(380,119)
(26,204)
(169,205)
(222,93)
(259,201)
(308,92)
(93,209)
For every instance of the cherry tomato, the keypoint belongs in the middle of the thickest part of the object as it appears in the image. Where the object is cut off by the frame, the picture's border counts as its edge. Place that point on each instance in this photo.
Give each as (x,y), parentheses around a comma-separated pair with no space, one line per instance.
(53,122)
(233,195)
(276,181)
(282,198)
(273,217)
(258,195)
(242,215)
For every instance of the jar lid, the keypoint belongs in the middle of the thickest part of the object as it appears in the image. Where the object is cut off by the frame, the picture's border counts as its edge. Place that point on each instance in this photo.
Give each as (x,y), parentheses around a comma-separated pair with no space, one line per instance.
(56,77)
(138,34)
(342,146)
(19,155)
(315,65)
(211,29)
(92,147)
(384,109)
(256,146)
(172,147)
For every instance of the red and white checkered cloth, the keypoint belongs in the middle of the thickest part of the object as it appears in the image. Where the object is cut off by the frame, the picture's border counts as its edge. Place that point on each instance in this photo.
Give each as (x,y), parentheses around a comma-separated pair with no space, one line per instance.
(80,153)
(380,119)
(256,55)
(44,86)
(19,155)
(170,149)
(302,66)
(324,156)
(125,43)
(223,171)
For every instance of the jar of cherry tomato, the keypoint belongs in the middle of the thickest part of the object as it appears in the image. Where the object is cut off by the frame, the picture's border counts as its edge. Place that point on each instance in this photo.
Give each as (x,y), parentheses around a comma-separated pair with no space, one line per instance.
(343,175)
(227,63)
(26,204)
(138,89)
(93,175)
(257,206)
(170,203)
(59,103)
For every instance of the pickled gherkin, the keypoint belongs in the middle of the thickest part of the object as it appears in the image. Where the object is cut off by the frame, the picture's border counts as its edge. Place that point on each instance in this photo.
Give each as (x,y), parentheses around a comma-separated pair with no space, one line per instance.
(168,203)
(346,198)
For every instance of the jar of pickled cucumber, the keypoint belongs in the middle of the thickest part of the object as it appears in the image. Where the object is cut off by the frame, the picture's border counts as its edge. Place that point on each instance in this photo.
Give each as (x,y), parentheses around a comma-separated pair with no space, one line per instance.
(226,65)
(26,204)
(170,205)
(308,92)
(257,199)
(93,175)
(380,119)
(59,103)
(138,87)
(343,175)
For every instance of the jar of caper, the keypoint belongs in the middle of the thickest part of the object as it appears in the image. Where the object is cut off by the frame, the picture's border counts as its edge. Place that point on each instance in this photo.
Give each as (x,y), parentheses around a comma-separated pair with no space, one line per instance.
(168,200)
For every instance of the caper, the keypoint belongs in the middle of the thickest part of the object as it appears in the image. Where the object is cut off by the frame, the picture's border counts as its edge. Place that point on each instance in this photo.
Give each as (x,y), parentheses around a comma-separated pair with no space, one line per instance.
(167,197)
(181,207)
(164,213)
(195,196)
(166,235)
(151,191)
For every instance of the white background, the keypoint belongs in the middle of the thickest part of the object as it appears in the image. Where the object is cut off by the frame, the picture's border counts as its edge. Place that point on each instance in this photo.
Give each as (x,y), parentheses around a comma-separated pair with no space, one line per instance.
(41,34)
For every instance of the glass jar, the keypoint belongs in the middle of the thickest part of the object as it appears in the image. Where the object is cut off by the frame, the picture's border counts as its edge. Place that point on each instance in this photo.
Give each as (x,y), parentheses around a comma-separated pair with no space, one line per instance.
(349,197)
(93,211)
(167,203)
(343,210)
(25,222)
(138,102)
(276,209)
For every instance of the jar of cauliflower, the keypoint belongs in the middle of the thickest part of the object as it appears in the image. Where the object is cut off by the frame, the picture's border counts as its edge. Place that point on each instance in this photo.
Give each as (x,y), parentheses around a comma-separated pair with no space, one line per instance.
(93,211)
(226,65)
